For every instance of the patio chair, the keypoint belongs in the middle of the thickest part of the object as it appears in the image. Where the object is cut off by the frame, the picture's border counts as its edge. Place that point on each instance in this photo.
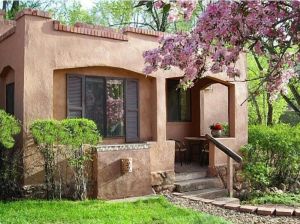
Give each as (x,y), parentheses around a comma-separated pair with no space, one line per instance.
(181,148)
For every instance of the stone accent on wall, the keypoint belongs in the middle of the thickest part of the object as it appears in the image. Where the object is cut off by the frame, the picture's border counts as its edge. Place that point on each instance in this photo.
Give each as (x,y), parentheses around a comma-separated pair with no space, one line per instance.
(34,191)
(119,147)
(238,184)
(163,181)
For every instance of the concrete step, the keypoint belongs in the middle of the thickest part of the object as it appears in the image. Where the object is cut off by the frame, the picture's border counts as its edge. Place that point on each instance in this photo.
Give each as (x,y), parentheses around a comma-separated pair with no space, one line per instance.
(211,193)
(198,184)
(190,175)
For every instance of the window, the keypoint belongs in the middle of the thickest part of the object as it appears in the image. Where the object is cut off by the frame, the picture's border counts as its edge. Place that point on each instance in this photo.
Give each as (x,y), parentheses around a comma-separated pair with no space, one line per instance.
(10,94)
(115,107)
(103,100)
(178,102)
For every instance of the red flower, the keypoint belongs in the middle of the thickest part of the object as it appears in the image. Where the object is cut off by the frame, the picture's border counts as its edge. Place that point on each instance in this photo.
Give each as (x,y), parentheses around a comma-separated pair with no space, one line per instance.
(216,126)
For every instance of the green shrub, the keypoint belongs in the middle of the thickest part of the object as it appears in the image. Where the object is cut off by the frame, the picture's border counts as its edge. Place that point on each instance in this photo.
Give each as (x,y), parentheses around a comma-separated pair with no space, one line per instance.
(9,127)
(272,156)
(75,133)
(9,159)
(45,133)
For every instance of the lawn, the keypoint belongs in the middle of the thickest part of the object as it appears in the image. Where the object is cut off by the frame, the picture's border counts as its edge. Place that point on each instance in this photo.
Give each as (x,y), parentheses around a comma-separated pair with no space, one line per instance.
(155,211)
(275,198)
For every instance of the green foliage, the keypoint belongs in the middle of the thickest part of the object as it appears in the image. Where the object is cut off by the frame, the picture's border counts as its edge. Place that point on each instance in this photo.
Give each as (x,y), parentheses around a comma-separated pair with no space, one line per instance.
(9,127)
(225,131)
(77,132)
(45,131)
(275,198)
(272,156)
(151,211)
(279,106)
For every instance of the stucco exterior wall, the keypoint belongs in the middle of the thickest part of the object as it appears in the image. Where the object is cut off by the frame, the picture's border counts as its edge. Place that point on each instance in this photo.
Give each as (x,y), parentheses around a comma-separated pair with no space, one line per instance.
(41,56)
(12,60)
(112,183)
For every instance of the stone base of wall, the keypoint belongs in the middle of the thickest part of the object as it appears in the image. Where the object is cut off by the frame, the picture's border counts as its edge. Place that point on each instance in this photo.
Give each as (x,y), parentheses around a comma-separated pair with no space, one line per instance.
(238,183)
(34,191)
(163,181)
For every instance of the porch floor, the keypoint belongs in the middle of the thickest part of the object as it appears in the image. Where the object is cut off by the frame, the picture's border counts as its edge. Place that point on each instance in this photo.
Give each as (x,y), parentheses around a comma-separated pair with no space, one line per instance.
(189,167)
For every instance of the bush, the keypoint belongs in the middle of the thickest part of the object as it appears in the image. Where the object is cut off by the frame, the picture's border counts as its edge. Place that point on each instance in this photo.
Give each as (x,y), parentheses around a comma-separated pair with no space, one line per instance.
(45,133)
(75,133)
(9,127)
(272,156)
(9,159)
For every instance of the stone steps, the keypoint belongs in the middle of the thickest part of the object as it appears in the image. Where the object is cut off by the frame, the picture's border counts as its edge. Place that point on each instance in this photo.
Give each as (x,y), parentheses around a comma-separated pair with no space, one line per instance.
(210,193)
(191,175)
(197,184)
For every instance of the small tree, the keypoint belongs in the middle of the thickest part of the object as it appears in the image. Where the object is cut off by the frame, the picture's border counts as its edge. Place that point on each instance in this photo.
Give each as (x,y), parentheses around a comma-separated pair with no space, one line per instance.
(9,159)
(9,127)
(75,133)
(45,134)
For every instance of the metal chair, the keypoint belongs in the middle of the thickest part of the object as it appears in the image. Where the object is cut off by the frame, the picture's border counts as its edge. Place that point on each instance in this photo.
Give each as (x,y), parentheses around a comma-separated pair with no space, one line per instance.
(181,148)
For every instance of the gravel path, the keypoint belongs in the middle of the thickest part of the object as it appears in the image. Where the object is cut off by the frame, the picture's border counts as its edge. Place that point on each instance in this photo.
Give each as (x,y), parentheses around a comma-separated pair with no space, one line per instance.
(230,215)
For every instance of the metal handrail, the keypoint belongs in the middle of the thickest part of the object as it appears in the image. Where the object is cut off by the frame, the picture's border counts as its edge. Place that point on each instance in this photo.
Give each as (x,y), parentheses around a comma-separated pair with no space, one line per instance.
(225,149)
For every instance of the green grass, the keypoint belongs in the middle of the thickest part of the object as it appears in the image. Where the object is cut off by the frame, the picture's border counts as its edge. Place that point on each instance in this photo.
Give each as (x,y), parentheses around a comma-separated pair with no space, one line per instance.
(275,198)
(154,211)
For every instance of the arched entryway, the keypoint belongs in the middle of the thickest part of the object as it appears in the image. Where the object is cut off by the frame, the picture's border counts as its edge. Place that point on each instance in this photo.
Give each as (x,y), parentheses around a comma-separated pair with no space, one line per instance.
(7,90)
(191,112)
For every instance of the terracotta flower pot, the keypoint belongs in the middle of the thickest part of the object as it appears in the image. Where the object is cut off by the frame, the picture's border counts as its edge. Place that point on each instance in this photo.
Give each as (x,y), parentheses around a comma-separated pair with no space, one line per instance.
(216,133)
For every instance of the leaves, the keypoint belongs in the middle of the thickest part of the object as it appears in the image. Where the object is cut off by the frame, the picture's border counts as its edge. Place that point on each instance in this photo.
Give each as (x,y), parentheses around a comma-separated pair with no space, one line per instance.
(272,156)
(9,127)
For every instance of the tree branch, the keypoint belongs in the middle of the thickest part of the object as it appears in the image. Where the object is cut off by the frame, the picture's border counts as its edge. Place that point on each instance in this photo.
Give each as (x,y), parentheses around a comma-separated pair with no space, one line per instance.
(290,103)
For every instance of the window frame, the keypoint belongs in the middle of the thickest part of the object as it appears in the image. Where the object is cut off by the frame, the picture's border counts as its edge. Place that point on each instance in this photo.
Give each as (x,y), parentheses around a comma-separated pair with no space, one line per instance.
(105,78)
(179,104)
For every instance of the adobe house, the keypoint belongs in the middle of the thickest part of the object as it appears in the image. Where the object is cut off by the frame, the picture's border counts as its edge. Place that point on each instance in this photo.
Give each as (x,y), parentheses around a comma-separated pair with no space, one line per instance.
(49,70)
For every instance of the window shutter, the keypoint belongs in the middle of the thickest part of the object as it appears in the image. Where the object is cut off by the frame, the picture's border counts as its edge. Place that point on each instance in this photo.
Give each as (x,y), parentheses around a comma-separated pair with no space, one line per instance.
(132,111)
(75,96)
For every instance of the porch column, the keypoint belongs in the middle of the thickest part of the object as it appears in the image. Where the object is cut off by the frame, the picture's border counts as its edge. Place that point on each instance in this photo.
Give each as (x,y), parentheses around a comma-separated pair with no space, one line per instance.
(160,112)
(231,110)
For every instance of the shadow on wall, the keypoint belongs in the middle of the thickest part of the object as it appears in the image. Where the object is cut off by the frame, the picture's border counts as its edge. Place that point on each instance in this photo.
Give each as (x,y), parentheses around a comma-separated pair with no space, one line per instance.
(111,172)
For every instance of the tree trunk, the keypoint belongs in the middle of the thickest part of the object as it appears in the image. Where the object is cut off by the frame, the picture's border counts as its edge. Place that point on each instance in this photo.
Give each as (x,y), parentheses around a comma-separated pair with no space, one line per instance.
(259,117)
(295,93)
(270,110)
(4,6)
(291,104)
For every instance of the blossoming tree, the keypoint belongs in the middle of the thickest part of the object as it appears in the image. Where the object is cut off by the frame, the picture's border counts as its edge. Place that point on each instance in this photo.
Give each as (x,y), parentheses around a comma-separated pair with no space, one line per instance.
(269,30)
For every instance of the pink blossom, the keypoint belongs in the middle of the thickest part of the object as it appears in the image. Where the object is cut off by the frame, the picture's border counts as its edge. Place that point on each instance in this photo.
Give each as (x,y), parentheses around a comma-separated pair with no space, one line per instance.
(158,4)
(223,31)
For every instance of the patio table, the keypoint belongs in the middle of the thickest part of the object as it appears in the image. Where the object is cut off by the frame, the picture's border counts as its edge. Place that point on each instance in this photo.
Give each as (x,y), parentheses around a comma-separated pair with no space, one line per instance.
(201,143)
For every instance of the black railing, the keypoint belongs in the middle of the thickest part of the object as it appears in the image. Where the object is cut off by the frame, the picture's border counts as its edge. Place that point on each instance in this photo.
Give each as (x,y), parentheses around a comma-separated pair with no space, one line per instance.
(225,149)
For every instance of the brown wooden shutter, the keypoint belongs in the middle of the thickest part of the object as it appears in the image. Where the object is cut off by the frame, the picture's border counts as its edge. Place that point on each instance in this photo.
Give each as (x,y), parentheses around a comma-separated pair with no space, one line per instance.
(132,110)
(75,96)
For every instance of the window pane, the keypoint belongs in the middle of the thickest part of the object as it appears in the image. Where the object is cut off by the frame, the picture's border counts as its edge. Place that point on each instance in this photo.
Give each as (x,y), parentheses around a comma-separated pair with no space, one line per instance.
(172,100)
(94,101)
(10,92)
(185,102)
(115,107)
(178,102)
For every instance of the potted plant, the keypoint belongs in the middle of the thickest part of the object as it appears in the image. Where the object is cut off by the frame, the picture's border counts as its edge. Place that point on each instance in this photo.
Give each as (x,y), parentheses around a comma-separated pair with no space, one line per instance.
(216,130)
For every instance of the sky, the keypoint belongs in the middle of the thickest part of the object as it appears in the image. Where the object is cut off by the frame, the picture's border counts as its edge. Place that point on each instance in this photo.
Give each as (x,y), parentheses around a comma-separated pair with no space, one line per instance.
(87,4)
